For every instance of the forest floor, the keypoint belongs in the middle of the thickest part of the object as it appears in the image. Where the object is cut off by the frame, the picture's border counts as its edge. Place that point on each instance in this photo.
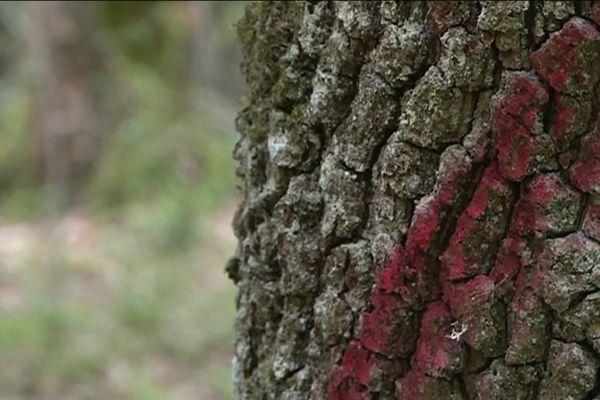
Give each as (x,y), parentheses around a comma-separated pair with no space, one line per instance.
(90,308)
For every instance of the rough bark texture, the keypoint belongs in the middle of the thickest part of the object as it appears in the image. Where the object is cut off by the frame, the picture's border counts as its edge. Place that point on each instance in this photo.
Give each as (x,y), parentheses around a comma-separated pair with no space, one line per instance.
(421,216)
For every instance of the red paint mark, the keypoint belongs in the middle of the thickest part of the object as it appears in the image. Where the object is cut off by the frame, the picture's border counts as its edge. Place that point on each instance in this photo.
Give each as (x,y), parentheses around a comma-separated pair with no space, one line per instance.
(358,362)
(508,260)
(558,79)
(492,180)
(411,278)
(414,387)
(437,354)
(388,329)
(557,60)
(426,222)
(535,212)
(524,304)
(390,279)
(525,218)
(562,118)
(391,327)
(343,387)
(424,230)
(453,260)
(429,213)
(544,188)
(461,259)
(585,173)
(465,299)
(473,304)
(515,117)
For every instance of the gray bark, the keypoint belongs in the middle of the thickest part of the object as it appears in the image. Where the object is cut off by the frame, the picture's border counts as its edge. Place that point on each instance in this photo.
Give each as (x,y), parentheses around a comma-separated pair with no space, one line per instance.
(420,216)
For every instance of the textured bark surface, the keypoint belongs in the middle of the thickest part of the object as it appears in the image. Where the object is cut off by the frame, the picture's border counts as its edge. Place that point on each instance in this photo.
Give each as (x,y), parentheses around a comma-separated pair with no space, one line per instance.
(421,216)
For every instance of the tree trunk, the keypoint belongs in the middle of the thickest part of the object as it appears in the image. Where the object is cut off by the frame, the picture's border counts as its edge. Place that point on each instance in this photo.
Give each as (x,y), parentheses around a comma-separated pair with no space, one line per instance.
(421,213)
(69,116)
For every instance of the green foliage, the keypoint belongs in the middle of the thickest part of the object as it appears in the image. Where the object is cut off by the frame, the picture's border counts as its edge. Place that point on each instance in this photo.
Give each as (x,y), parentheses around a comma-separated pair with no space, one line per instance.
(166,165)
(17,172)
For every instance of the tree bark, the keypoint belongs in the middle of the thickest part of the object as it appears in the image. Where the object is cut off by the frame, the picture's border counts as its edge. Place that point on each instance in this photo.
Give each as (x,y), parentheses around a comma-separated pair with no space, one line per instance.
(421,213)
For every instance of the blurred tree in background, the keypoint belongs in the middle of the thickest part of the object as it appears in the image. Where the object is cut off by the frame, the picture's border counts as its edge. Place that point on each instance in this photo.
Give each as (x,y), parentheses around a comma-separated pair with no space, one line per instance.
(116,192)
(70,114)
(74,73)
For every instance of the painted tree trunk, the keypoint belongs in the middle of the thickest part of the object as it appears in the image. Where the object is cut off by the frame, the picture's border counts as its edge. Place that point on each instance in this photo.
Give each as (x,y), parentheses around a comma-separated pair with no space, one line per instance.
(421,213)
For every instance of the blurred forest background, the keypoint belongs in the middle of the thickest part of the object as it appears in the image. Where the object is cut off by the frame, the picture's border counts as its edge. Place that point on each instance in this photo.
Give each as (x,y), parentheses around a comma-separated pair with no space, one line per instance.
(116,195)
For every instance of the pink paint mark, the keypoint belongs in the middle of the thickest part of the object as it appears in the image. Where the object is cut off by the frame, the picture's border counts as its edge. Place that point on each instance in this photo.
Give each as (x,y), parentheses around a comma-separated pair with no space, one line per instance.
(430,212)
(414,386)
(391,328)
(464,299)
(585,173)
(508,260)
(491,181)
(410,281)
(390,279)
(525,218)
(515,117)
(437,354)
(543,189)
(466,303)
(530,117)
(557,60)
(460,260)
(359,362)
(424,229)
(343,387)
(387,329)
(562,118)
(534,211)
(558,79)
(524,97)
(454,264)
(426,222)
